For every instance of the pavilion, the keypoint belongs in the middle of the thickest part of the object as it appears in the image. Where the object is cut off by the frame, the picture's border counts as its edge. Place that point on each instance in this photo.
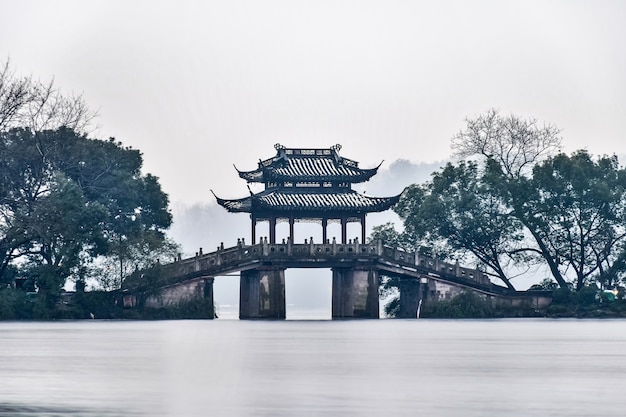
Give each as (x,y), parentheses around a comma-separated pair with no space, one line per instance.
(308,185)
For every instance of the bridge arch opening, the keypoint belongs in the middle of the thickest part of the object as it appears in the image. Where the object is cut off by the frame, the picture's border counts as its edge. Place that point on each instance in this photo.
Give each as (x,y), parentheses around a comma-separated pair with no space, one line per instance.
(308,293)
(226,296)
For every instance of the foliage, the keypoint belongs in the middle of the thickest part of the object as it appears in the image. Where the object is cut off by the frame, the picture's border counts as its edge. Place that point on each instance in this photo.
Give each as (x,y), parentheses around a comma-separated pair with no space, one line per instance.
(109,272)
(69,205)
(577,215)
(465,305)
(392,308)
(459,213)
(523,205)
(546,284)
(390,237)
(14,305)
(65,199)
(589,302)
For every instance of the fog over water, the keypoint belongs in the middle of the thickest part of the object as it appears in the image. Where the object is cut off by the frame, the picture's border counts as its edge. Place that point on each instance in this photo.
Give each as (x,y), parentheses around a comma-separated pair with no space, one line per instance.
(314,368)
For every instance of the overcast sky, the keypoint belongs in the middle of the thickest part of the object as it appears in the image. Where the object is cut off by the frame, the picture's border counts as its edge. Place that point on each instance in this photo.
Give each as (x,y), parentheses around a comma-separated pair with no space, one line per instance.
(199,86)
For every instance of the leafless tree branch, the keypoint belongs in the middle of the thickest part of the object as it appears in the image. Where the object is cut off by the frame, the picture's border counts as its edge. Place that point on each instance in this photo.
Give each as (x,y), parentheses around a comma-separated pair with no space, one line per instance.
(39,106)
(516,144)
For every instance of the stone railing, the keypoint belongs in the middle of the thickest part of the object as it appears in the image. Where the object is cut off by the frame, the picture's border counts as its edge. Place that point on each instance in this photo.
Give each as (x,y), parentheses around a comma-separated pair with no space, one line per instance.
(225,260)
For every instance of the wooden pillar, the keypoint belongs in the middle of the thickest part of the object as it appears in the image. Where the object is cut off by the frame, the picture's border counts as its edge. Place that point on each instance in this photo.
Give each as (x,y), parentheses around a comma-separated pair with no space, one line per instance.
(291,221)
(324,231)
(363,228)
(272,230)
(253,218)
(344,230)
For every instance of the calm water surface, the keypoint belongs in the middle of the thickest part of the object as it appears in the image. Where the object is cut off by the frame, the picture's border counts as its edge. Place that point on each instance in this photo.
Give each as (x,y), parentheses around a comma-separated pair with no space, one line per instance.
(314,368)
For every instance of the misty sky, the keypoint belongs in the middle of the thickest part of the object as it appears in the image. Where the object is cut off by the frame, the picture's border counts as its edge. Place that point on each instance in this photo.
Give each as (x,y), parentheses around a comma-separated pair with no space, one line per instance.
(200,85)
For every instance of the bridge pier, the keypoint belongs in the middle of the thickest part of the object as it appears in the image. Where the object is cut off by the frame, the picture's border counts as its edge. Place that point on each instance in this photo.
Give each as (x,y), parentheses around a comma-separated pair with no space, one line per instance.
(262,293)
(355,293)
(411,292)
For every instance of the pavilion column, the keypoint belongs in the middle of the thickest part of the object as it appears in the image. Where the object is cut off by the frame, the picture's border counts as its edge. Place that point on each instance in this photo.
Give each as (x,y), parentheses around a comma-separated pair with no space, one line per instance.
(344,230)
(363,228)
(253,217)
(324,230)
(272,229)
(291,222)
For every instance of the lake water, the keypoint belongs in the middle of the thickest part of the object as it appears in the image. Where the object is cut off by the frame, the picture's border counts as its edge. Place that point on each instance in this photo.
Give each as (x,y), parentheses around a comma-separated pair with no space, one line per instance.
(314,368)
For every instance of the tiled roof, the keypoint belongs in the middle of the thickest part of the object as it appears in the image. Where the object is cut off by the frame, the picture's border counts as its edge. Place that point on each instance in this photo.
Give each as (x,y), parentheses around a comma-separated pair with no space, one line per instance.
(310,200)
(242,205)
(315,165)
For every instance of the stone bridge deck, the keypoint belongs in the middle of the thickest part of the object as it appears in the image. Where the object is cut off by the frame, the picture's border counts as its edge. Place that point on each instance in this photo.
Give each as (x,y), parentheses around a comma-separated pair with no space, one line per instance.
(386,260)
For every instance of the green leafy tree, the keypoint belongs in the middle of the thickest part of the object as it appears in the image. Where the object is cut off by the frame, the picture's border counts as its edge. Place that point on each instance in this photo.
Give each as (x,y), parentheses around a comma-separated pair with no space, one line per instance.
(65,198)
(63,229)
(111,271)
(576,212)
(458,214)
(521,204)
(388,286)
(389,236)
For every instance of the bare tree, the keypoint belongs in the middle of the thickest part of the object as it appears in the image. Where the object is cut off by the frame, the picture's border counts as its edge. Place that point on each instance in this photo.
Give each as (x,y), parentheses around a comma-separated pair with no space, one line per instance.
(39,106)
(516,144)
(15,93)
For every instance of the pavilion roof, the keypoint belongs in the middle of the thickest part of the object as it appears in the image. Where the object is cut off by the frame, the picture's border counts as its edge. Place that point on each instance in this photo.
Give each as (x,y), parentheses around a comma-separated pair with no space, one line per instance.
(301,201)
(305,165)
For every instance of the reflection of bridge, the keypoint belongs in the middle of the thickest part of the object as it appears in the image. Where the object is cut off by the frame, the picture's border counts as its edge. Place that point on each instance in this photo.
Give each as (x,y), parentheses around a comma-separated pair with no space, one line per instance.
(355,272)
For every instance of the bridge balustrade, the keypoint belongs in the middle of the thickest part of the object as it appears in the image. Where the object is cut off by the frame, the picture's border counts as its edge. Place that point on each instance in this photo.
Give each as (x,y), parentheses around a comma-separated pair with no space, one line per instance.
(234,257)
(237,254)
(452,269)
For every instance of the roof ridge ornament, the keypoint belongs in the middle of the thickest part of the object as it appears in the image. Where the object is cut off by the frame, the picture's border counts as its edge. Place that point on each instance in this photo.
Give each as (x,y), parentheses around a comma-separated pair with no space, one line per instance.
(335,149)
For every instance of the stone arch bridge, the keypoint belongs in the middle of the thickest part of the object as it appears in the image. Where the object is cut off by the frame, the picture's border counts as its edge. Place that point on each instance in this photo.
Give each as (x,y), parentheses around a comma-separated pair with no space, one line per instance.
(356,269)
